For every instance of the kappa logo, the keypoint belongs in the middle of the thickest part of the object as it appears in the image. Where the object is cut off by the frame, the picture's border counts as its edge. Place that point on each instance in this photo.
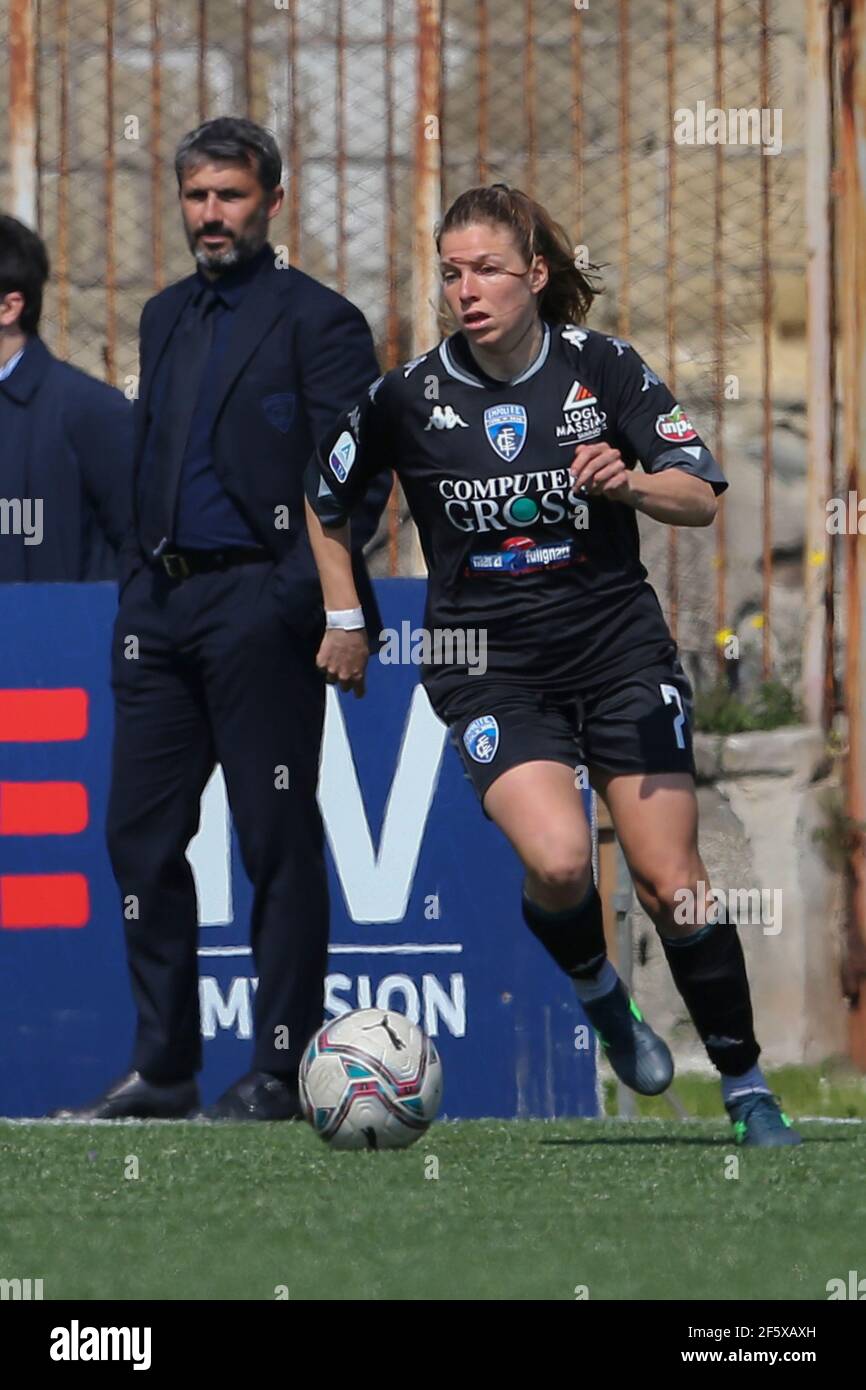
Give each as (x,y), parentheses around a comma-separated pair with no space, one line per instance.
(649,377)
(354,418)
(675,426)
(342,457)
(410,366)
(374,386)
(481,739)
(505,427)
(574,335)
(445,417)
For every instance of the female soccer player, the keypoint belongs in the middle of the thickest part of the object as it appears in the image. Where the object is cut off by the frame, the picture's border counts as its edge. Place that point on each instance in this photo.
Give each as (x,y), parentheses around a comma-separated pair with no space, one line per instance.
(516,441)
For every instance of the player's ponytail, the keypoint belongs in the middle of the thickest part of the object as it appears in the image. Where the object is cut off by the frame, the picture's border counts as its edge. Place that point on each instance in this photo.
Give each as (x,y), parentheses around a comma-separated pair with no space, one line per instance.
(568,294)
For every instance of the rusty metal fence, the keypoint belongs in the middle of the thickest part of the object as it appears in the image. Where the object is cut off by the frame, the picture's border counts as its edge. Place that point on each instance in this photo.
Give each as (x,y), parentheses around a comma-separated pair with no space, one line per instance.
(385,109)
(603,109)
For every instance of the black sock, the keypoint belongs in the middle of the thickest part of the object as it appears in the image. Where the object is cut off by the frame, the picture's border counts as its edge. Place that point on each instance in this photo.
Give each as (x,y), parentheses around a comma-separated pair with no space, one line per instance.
(574,937)
(710,973)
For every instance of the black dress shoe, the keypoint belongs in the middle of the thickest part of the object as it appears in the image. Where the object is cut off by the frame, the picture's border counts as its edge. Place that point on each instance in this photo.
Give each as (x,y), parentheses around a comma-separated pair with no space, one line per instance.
(257,1096)
(133,1098)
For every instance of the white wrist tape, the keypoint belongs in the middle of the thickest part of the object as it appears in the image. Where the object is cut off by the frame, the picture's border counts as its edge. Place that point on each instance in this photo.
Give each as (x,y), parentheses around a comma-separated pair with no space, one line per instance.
(349,619)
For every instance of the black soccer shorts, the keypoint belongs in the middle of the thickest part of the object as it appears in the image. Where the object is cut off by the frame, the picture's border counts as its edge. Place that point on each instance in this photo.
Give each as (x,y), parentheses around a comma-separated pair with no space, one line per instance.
(640,722)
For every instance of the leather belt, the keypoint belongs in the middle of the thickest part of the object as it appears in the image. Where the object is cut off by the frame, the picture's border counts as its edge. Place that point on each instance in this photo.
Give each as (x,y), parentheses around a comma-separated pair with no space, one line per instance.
(180,564)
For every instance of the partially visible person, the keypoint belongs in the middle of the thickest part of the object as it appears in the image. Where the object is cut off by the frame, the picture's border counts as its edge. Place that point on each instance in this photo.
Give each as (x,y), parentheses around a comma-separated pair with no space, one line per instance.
(65,440)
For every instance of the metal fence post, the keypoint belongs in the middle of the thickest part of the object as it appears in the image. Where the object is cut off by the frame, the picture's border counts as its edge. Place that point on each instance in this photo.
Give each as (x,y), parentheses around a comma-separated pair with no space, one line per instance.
(852,134)
(817,632)
(23,165)
(426,192)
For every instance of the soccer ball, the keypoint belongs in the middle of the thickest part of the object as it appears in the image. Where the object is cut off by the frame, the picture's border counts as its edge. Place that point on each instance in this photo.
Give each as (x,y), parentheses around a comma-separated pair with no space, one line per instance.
(370,1080)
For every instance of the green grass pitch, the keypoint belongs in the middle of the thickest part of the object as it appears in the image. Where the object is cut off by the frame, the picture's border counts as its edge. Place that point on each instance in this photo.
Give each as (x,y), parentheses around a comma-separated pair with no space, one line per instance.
(519,1209)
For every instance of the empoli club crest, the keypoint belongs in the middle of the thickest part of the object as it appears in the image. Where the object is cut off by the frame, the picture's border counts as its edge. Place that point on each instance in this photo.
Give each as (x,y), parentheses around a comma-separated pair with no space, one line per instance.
(481,738)
(505,427)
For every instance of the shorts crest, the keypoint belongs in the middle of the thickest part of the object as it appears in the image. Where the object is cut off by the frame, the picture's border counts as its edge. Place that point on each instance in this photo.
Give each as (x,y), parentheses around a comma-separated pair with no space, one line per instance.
(481,738)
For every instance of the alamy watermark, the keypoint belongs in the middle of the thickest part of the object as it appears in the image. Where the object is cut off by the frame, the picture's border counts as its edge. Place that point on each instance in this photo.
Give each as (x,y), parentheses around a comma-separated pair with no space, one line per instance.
(438,646)
(77,1343)
(743,125)
(20,1290)
(743,906)
(22,516)
(854,1287)
(846,516)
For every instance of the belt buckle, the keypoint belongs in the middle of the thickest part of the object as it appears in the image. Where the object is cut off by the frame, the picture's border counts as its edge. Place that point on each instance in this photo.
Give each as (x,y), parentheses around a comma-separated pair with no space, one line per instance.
(176,566)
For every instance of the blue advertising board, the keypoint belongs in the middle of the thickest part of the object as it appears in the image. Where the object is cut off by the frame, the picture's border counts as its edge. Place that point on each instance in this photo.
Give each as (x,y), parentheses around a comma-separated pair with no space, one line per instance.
(425,892)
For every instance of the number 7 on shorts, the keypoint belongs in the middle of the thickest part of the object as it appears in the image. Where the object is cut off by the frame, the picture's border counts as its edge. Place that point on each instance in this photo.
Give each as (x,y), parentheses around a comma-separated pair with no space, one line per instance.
(671,695)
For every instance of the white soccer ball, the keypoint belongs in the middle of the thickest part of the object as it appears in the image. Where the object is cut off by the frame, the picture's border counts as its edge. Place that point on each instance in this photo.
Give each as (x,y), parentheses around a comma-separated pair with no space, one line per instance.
(370,1080)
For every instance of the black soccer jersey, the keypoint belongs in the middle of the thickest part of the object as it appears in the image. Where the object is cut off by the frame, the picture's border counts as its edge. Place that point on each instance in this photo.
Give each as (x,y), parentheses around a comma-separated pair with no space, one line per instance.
(553,579)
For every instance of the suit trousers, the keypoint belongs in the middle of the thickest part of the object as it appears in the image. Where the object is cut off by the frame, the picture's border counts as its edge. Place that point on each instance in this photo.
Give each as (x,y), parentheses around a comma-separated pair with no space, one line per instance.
(206,670)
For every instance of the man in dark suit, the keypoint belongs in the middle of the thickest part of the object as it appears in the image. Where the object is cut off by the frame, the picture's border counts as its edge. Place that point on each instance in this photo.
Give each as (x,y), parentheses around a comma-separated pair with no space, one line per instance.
(243,366)
(65,440)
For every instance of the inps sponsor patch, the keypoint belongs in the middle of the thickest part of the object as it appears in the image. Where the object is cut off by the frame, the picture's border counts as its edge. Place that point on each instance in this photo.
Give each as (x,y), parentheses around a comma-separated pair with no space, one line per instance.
(675,427)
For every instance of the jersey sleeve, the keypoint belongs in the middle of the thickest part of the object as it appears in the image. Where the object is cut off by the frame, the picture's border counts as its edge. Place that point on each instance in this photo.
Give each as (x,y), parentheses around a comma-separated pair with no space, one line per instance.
(648,422)
(357,447)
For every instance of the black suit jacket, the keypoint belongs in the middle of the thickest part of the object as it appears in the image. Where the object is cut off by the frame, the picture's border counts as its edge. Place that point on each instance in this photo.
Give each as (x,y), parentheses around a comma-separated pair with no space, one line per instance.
(66,439)
(299,354)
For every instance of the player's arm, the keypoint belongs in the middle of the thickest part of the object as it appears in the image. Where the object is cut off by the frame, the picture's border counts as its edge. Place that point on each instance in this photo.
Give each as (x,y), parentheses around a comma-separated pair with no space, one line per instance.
(344,650)
(337,365)
(672,495)
(681,479)
(353,452)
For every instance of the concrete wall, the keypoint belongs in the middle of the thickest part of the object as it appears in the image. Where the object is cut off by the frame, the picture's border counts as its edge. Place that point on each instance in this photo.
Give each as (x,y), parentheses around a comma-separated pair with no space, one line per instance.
(760,797)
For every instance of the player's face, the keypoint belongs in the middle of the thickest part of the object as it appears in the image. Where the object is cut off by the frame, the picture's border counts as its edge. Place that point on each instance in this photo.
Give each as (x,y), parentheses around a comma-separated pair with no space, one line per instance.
(488,287)
(225,213)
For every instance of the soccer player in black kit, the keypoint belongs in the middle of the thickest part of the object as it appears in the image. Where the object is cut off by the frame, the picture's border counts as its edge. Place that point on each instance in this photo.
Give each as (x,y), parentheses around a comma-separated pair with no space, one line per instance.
(515,441)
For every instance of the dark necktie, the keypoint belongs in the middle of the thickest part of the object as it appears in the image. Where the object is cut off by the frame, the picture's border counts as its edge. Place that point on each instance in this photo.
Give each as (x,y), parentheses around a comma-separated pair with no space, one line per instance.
(190,348)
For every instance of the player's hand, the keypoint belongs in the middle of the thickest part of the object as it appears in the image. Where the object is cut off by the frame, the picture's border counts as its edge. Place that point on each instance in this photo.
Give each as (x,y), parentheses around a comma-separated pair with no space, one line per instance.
(343,658)
(601,472)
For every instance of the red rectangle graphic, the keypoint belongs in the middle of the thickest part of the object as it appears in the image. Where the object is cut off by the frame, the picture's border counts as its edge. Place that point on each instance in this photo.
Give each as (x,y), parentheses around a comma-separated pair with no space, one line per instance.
(43,808)
(43,900)
(43,716)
